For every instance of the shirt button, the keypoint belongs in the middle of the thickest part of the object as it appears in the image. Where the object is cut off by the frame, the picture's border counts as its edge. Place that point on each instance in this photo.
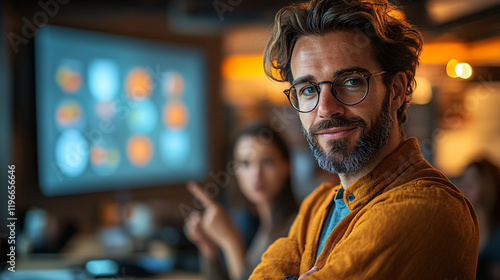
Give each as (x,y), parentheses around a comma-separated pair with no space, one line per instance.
(350,197)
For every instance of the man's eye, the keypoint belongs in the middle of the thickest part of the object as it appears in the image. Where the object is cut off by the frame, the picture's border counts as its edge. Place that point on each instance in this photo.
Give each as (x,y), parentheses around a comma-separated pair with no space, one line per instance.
(308,90)
(352,82)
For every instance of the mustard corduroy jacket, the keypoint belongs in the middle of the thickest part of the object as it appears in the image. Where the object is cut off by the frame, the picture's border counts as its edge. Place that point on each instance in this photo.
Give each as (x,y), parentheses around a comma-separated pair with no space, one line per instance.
(406,221)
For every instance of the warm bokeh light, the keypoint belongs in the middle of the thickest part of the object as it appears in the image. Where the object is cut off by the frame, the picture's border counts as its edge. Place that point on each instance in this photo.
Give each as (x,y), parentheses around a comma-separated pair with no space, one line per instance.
(463,70)
(480,51)
(242,66)
(475,130)
(423,93)
(245,82)
(456,69)
(450,68)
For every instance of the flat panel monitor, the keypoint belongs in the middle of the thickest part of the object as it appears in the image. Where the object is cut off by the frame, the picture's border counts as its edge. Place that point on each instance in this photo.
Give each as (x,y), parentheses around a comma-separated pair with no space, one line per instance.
(117,112)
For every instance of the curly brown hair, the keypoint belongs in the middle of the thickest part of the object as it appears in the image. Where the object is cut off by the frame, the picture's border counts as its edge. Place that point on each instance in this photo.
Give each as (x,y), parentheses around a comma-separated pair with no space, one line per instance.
(396,43)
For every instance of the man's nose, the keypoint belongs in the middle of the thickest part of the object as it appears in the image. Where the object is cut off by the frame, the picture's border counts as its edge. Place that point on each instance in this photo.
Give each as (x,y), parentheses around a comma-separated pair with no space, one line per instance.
(328,105)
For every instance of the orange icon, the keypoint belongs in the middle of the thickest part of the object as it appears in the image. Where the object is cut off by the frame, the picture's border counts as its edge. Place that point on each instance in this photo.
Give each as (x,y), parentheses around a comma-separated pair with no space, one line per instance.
(69,80)
(175,115)
(138,84)
(139,150)
(69,114)
(97,155)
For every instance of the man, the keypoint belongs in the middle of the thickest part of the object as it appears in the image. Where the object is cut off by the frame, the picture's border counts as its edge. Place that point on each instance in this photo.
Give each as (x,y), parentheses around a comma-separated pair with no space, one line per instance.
(351,66)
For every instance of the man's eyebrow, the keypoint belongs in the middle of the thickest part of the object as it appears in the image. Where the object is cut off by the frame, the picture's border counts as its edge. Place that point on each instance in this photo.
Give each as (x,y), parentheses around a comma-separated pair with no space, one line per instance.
(310,78)
(306,78)
(352,69)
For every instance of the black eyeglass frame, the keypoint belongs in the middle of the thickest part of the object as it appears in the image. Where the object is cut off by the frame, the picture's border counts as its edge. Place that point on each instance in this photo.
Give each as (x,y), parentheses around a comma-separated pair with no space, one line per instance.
(332,89)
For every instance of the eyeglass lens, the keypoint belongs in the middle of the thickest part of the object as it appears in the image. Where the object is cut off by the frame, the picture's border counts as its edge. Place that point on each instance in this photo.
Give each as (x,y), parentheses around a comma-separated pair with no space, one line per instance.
(349,88)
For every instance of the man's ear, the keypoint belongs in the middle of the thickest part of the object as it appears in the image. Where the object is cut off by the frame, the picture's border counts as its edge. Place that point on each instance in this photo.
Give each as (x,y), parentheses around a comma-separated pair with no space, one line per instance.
(399,82)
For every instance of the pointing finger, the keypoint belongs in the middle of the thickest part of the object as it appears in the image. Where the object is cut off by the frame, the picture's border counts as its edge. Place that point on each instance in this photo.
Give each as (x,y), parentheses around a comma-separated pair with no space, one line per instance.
(196,190)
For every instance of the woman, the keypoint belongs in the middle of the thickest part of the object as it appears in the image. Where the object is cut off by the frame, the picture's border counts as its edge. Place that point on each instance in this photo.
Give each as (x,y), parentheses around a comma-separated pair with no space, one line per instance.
(262,171)
(481,185)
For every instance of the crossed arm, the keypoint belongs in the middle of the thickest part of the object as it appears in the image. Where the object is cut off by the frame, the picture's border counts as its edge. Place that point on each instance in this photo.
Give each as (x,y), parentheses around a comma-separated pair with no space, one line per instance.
(425,238)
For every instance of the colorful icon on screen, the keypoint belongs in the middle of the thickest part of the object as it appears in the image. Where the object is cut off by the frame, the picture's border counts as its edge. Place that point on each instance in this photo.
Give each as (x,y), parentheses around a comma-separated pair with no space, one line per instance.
(143,117)
(104,79)
(175,147)
(105,110)
(69,114)
(71,153)
(105,158)
(175,115)
(173,83)
(138,84)
(139,150)
(68,76)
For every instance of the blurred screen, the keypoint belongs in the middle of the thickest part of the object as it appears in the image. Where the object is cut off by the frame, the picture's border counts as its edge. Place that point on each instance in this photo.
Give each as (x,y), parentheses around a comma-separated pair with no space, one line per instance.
(116,112)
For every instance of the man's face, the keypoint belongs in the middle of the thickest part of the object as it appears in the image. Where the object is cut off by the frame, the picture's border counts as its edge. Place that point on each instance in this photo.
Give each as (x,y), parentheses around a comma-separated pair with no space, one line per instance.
(343,138)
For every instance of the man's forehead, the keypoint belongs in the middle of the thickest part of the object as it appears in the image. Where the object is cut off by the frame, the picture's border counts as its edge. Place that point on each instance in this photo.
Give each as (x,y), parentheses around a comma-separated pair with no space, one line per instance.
(343,47)
(345,41)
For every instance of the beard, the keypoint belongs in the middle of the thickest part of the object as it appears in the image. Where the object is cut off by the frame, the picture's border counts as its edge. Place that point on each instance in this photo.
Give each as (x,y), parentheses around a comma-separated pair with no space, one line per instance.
(338,158)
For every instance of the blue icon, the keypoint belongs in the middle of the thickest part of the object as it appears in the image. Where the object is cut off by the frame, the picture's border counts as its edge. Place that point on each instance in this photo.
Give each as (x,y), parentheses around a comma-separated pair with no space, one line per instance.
(104,79)
(143,117)
(72,153)
(175,147)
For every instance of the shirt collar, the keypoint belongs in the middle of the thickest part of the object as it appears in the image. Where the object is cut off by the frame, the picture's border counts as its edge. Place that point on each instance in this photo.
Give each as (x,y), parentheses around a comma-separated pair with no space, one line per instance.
(394,170)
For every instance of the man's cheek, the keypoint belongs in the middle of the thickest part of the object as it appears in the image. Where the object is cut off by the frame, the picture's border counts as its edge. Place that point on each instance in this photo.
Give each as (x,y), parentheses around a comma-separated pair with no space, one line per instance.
(306,120)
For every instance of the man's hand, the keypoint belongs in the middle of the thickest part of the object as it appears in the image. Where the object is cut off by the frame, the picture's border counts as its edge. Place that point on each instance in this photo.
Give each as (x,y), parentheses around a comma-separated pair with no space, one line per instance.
(311,271)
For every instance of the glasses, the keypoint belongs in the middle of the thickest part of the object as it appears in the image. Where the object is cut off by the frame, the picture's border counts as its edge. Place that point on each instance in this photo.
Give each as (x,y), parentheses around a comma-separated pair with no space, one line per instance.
(350,88)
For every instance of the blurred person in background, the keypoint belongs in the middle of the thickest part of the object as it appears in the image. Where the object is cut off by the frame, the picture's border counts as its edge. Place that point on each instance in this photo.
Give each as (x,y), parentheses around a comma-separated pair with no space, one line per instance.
(480,183)
(262,173)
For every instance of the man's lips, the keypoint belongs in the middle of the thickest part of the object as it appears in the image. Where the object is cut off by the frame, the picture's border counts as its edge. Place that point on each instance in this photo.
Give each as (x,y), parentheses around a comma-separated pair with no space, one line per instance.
(335,133)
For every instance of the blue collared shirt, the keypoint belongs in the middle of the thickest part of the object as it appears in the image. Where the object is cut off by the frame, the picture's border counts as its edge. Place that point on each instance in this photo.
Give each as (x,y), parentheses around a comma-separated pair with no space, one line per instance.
(338,211)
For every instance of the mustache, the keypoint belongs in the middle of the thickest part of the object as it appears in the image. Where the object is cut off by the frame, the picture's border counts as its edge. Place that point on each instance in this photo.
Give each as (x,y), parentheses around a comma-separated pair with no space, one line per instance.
(336,122)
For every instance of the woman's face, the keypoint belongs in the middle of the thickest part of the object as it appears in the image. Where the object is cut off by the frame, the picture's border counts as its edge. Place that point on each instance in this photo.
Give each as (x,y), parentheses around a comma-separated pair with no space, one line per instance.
(261,170)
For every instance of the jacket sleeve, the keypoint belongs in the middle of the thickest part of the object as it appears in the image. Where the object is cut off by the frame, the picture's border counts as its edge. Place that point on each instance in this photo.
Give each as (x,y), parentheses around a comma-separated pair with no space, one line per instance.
(430,237)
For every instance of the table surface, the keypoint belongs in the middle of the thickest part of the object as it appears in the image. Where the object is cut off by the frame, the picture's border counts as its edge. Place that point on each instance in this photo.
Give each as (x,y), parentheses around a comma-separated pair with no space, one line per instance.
(54,267)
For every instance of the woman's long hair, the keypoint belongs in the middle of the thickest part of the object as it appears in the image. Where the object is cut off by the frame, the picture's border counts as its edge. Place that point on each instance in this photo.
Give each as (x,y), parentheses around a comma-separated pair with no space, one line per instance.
(285,202)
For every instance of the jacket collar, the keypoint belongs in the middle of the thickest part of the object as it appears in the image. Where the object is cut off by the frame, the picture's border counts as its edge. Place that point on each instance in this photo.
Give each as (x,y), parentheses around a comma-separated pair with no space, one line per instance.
(394,170)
